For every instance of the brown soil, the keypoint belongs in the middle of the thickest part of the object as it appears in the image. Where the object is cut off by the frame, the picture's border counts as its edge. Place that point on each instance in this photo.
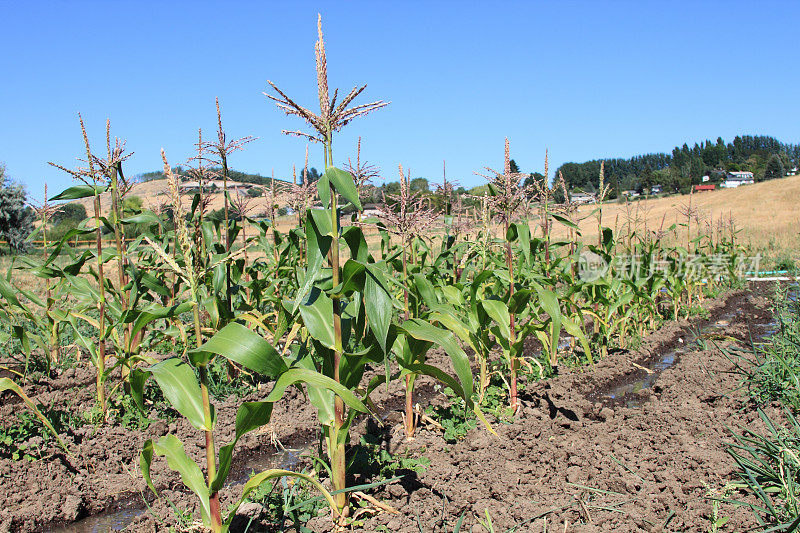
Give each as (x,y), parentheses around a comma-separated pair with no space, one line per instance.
(571,456)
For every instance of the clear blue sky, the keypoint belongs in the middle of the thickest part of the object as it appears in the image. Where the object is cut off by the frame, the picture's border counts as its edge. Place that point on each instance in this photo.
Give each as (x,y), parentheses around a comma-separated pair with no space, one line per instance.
(584,79)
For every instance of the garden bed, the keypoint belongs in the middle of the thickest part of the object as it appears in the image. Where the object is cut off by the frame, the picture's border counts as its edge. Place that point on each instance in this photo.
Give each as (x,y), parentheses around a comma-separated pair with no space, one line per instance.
(573,455)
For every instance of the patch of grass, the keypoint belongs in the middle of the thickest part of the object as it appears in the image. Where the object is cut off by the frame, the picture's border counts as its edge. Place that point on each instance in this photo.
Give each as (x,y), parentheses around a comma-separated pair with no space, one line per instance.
(25,438)
(769,469)
(769,463)
(457,420)
(288,501)
(375,463)
(771,370)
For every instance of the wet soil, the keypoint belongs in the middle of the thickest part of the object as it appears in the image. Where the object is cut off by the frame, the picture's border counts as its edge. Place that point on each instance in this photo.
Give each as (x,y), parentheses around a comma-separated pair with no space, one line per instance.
(603,449)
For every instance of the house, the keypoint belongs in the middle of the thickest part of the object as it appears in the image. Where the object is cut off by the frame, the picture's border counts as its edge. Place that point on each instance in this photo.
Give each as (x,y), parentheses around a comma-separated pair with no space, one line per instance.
(734,179)
(581,198)
(792,171)
(703,188)
(371,210)
(655,189)
(630,194)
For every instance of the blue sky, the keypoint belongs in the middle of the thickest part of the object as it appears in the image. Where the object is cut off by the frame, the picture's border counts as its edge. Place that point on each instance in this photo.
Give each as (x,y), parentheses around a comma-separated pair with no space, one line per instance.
(582,79)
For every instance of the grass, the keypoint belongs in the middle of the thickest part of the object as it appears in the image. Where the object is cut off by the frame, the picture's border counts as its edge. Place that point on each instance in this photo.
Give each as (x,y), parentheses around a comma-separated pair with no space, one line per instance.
(769,462)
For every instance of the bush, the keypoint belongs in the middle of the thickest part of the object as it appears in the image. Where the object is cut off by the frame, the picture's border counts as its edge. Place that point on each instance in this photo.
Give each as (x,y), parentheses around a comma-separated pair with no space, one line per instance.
(72,211)
(255,192)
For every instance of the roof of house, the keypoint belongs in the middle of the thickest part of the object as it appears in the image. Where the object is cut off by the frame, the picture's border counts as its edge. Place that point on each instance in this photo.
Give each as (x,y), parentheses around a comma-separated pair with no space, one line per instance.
(709,187)
(740,174)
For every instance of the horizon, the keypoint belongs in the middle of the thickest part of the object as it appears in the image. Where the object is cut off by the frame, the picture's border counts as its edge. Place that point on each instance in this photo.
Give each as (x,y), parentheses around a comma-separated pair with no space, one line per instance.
(585,81)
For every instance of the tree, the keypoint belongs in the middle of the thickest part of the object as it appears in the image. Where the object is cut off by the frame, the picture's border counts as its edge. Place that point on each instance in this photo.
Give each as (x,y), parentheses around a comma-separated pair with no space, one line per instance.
(16,218)
(72,211)
(420,185)
(774,168)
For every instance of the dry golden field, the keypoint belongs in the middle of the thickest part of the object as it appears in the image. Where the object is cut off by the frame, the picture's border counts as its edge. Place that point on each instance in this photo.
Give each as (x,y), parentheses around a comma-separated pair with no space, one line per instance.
(767,214)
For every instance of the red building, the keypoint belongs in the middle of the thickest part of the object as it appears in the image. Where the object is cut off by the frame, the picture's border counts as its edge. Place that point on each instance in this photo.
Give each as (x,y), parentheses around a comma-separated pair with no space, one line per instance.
(702,188)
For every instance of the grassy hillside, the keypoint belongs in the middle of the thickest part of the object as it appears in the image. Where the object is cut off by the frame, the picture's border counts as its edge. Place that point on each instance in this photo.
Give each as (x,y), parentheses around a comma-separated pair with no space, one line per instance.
(768,213)
(154,193)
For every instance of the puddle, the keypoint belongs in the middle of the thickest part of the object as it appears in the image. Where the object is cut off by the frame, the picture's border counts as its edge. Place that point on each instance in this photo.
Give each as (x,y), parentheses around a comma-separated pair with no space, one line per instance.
(120,517)
(112,520)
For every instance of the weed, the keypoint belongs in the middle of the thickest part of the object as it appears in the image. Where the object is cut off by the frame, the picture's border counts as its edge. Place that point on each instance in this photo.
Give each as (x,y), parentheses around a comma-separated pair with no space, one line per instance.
(26,438)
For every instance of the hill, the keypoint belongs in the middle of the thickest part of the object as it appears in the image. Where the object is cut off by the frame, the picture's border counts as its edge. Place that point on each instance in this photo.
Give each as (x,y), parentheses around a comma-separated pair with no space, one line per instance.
(154,193)
(767,213)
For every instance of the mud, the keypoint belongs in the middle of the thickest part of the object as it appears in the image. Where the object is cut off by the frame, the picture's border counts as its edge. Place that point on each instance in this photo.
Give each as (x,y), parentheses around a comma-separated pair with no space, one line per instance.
(578,453)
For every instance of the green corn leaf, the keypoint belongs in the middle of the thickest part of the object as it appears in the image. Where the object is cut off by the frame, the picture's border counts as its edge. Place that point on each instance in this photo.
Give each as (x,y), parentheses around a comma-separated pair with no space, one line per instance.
(314,379)
(179,384)
(421,330)
(246,347)
(171,447)
(378,303)
(145,217)
(78,191)
(498,311)
(446,319)
(343,182)
(9,293)
(8,384)
(153,312)
(425,290)
(565,221)
(318,243)
(317,313)
(145,462)
(549,302)
(574,329)
(324,190)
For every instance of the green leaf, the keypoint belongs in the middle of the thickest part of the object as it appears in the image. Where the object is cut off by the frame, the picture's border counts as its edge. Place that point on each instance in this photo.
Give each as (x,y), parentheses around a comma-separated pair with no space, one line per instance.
(246,347)
(315,379)
(171,447)
(153,312)
(565,221)
(324,190)
(342,181)
(145,217)
(421,330)
(318,243)
(574,329)
(78,191)
(179,384)
(378,303)
(8,384)
(317,313)
(145,461)
(549,302)
(9,293)
(425,290)
(250,416)
(498,311)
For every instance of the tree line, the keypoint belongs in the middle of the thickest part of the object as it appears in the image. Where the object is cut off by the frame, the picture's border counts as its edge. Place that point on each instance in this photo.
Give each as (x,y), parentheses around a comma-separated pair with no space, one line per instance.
(764,156)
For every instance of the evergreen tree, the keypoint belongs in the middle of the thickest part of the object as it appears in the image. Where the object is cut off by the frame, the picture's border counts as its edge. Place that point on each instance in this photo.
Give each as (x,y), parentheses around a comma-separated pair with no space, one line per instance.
(16,218)
(774,168)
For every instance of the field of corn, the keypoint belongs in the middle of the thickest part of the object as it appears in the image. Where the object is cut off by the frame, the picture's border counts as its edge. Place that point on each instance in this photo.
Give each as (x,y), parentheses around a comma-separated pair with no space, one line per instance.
(423,370)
